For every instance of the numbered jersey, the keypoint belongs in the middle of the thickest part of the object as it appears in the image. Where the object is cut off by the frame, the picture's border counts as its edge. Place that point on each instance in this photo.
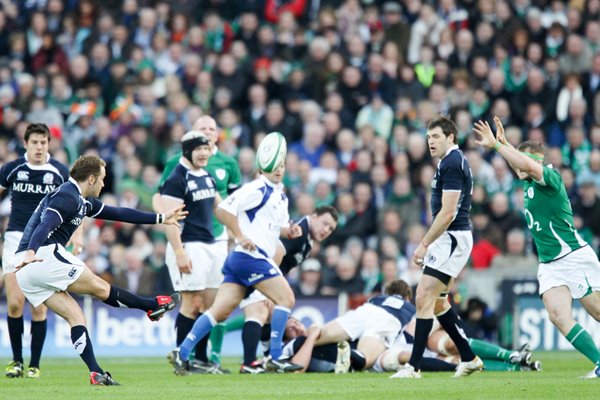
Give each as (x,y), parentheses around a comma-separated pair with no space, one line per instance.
(549,217)
(397,306)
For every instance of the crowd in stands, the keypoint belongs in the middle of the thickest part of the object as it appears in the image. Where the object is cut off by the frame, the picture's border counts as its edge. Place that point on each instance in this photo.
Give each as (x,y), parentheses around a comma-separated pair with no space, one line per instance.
(352,84)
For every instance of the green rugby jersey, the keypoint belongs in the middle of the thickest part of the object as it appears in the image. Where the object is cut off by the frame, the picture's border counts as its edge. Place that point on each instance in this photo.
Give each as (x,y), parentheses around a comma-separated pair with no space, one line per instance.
(222,168)
(549,217)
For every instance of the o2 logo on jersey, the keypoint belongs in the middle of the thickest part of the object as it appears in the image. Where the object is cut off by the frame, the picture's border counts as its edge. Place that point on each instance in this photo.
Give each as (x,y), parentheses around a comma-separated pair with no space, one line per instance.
(530,193)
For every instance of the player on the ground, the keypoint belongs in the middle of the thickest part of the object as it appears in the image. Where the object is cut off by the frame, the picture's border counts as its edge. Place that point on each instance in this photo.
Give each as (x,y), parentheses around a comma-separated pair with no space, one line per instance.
(28,179)
(192,257)
(315,228)
(227,176)
(569,268)
(47,272)
(257,216)
(445,249)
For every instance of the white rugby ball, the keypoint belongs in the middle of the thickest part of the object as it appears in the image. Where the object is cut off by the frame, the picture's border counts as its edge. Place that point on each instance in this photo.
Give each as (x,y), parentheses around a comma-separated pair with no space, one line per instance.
(271,152)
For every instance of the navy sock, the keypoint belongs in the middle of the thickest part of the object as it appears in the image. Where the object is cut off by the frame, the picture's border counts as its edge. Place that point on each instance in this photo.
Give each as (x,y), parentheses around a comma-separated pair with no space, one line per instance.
(83,346)
(38,336)
(422,331)
(251,335)
(15,332)
(357,360)
(183,325)
(436,365)
(265,339)
(122,298)
(202,346)
(449,321)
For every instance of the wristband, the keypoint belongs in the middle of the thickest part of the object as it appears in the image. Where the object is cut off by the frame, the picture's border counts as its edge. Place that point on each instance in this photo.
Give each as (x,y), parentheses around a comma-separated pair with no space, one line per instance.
(160,218)
(497,145)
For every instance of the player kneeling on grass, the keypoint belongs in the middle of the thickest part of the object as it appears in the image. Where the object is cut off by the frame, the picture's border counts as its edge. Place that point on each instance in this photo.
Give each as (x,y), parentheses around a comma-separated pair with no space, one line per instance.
(48,272)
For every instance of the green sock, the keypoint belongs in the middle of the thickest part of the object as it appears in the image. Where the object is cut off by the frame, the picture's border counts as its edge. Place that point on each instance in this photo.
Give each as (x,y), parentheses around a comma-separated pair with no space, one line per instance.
(495,365)
(583,342)
(235,324)
(489,351)
(216,342)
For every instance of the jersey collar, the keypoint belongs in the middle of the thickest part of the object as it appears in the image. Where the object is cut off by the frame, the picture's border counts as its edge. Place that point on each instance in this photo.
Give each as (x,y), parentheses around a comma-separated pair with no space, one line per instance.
(271,184)
(454,147)
(27,160)
(195,172)
(74,182)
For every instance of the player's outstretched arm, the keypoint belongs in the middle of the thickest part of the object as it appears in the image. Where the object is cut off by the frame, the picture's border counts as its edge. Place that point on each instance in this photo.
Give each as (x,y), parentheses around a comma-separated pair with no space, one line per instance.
(518,161)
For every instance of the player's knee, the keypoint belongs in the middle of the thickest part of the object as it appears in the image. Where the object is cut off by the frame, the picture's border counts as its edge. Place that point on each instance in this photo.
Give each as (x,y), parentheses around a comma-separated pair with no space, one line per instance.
(559,318)
(39,313)
(15,308)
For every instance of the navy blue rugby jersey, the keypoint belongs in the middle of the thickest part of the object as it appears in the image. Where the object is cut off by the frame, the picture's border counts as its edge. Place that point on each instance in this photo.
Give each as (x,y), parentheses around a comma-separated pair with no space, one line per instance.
(197,190)
(395,305)
(298,249)
(28,184)
(70,206)
(453,174)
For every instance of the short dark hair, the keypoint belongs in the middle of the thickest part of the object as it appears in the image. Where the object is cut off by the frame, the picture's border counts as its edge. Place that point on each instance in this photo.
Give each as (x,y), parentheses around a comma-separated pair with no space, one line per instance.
(400,287)
(531,146)
(87,165)
(328,210)
(37,129)
(447,125)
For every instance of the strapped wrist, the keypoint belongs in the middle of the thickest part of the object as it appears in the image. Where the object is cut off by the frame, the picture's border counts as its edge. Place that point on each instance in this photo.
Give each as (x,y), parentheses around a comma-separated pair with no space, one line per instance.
(497,145)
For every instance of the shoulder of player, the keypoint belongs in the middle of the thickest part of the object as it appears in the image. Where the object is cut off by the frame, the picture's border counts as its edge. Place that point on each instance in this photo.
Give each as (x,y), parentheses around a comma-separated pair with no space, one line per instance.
(14,164)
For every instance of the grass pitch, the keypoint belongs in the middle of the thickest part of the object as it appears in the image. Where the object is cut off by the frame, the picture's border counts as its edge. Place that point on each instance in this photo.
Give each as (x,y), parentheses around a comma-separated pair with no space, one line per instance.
(152,378)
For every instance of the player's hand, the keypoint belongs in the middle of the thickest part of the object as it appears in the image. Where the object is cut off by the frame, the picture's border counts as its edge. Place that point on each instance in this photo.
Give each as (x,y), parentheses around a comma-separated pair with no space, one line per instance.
(172,217)
(294,231)
(500,136)
(314,331)
(247,244)
(419,256)
(184,263)
(30,257)
(77,244)
(487,139)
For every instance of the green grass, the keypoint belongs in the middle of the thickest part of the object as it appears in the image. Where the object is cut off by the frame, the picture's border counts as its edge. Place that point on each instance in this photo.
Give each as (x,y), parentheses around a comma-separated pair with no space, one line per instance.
(151,378)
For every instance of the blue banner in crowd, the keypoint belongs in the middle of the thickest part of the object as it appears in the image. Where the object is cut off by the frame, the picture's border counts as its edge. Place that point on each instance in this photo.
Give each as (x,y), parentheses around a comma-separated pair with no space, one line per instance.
(125,332)
(534,327)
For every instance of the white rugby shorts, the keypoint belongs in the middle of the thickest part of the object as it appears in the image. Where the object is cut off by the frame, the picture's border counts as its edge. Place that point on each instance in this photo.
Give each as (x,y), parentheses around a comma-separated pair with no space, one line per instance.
(450,252)
(11,244)
(207,260)
(40,280)
(579,271)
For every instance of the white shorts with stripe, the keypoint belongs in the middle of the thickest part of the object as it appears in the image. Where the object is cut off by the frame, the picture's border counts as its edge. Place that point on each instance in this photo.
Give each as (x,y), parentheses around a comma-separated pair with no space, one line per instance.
(579,271)
(450,252)
(11,244)
(207,260)
(55,273)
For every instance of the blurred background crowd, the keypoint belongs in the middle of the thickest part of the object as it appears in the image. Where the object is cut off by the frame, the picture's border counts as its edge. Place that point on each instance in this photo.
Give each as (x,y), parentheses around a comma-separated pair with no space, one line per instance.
(352,84)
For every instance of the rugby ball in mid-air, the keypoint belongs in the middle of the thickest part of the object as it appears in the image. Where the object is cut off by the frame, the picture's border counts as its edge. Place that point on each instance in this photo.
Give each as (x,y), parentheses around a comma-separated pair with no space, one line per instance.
(271,152)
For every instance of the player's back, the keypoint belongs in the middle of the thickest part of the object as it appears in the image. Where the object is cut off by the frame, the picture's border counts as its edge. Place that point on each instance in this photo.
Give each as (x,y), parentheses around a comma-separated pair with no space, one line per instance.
(395,305)
(28,184)
(67,202)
